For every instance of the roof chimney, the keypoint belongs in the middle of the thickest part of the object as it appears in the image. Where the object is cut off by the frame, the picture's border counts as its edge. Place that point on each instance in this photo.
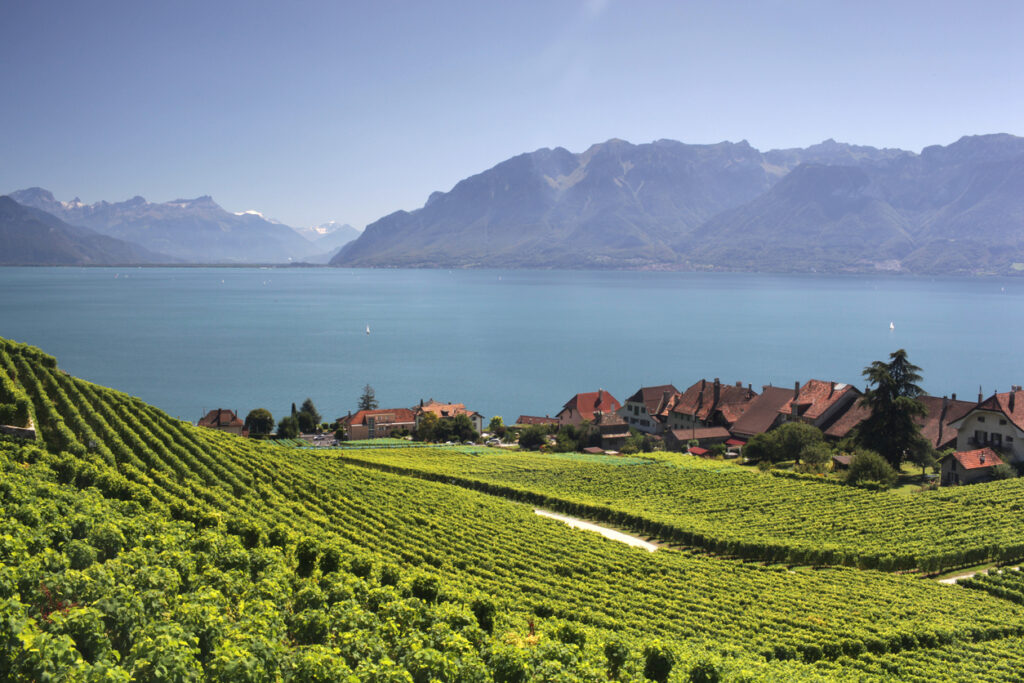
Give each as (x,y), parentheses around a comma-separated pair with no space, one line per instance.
(600,396)
(739,384)
(831,389)
(718,391)
(981,458)
(796,390)
(979,394)
(953,396)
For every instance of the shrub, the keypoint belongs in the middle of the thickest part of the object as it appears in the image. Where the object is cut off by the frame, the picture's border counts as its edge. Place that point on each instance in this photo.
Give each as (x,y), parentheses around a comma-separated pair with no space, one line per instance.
(310,627)
(390,574)
(616,652)
(483,609)
(507,665)
(307,550)
(331,559)
(868,466)
(80,554)
(658,662)
(107,539)
(1004,471)
(425,587)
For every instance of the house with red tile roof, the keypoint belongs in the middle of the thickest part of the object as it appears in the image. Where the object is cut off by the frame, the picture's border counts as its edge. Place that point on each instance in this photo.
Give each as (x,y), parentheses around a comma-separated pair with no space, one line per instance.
(968,467)
(583,406)
(847,421)
(935,425)
(645,410)
(378,423)
(224,420)
(996,422)
(678,439)
(709,404)
(762,413)
(526,420)
(818,403)
(448,411)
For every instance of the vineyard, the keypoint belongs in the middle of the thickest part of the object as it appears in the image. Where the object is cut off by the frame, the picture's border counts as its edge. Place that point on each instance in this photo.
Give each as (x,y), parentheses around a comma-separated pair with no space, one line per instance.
(136,547)
(740,512)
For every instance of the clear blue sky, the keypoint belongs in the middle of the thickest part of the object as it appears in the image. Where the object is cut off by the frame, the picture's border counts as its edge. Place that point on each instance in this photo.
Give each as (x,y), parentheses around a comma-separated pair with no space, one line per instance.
(312,111)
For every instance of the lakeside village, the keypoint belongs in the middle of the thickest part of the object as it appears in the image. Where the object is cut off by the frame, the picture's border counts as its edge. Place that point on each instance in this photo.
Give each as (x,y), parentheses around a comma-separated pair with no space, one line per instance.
(887,434)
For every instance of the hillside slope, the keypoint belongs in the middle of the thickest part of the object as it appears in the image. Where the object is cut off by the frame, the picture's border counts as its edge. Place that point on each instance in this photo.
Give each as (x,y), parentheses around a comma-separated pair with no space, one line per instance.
(832,207)
(138,545)
(191,230)
(614,205)
(30,237)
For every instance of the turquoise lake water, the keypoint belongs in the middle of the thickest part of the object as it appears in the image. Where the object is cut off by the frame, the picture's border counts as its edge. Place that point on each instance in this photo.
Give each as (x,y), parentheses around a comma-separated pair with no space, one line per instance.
(503,342)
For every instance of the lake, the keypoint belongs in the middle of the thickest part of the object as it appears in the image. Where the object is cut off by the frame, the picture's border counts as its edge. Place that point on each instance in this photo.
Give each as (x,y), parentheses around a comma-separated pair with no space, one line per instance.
(504,342)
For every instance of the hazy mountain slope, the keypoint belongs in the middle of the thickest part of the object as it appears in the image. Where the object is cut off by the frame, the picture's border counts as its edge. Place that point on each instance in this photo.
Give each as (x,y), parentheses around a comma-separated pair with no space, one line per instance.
(957,208)
(616,204)
(953,209)
(29,236)
(194,230)
(327,240)
(817,218)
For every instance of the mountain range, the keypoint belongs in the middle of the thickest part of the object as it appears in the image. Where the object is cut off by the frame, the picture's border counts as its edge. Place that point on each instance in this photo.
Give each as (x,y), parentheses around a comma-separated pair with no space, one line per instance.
(30,237)
(832,207)
(669,205)
(192,230)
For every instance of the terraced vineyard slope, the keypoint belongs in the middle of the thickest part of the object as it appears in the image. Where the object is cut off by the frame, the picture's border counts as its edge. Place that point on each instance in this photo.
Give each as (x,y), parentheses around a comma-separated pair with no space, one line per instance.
(737,511)
(135,546)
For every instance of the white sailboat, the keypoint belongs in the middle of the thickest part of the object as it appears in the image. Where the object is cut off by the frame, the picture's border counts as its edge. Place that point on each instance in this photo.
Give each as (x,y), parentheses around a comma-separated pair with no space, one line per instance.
(367,329)
(891,327)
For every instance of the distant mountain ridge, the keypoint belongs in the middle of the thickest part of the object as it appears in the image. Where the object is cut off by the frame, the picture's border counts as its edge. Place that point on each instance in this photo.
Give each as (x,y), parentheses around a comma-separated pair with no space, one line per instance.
(32,237)
(191,230)
(327,239)
(669,205)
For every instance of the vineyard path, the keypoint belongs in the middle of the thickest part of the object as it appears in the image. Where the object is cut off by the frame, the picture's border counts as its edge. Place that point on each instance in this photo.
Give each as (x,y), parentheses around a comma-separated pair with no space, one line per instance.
(603,530)
(967,575)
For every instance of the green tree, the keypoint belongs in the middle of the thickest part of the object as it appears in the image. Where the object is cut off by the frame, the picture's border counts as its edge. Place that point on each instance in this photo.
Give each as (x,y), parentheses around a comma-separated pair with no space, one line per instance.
(308,417)
(497,426)
(288,427)
(310,409)
(564,443)
(788,442)
(259,422)
(758,448)
(368,399)
(792,438)
(426,428)
(891,429)
(462,428)
(1004,471)
(533,437)
(870,467)
(815,457)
